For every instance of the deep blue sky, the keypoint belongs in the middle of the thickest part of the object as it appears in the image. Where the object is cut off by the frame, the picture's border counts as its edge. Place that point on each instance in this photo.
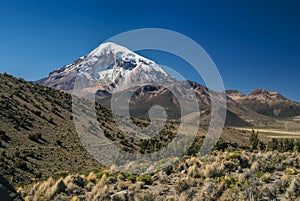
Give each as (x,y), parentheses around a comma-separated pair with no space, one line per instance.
(255,44)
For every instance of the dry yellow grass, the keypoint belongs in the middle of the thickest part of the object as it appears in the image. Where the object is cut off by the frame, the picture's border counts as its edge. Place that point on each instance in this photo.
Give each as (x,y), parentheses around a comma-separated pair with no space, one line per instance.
(219,176)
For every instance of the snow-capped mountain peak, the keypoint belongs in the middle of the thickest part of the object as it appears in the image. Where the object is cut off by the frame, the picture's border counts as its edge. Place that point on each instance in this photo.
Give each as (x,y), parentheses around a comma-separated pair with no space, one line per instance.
(115,67)
(110,47)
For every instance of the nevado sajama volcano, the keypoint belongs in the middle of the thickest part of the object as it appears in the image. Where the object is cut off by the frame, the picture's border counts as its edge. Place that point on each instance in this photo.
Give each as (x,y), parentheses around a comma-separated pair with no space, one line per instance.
(113,66)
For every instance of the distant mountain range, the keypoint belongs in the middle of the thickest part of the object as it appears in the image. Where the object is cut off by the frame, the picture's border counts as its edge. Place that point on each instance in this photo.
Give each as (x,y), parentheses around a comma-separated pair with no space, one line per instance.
(267,103)
(115,68)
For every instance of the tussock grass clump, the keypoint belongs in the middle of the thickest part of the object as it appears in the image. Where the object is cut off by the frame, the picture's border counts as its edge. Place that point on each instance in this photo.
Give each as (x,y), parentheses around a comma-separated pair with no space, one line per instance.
(214,170)
(293,190)
(266,177)
(56,189)
(91,177)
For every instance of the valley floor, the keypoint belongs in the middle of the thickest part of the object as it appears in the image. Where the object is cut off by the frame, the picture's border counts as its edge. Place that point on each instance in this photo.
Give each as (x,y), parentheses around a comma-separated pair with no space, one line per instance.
(274,133)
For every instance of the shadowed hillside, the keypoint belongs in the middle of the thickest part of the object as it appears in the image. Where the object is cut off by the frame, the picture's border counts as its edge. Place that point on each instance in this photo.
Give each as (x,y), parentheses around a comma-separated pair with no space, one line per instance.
(38,138)
(7,192)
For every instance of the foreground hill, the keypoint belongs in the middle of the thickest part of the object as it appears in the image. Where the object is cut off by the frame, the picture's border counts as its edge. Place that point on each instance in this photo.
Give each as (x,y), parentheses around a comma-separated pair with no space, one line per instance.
(38,137)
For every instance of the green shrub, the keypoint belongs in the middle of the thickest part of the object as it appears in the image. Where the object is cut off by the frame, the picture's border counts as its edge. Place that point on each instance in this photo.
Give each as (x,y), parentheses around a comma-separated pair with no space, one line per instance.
(61,174)
(129,177)
(266,177)
(291,171)
(254,140)
(234,155)
(259,174)
(145,178)
(230,181)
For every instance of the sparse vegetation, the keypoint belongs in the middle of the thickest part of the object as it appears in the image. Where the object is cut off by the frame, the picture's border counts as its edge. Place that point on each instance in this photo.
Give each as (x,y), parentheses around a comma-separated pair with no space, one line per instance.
(41,155)
(190,178)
